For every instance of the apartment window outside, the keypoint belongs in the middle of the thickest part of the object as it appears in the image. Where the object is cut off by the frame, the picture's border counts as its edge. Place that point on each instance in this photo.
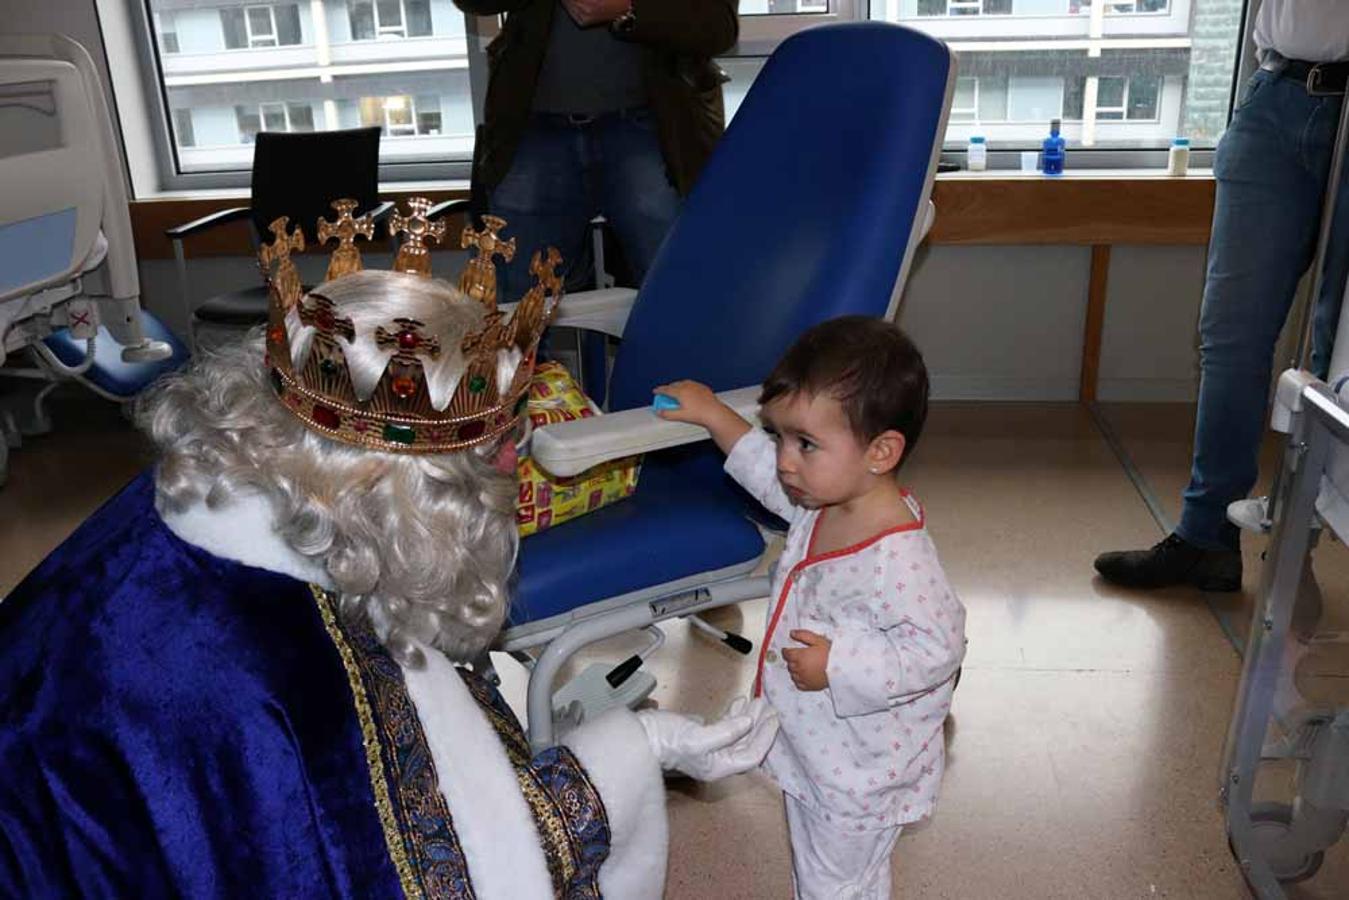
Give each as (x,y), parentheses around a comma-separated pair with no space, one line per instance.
(403,116)
(385,19)
(964,7)
(167,28)
(274,116)
(965,103)
(256,27)
(182,126)
(1121,7)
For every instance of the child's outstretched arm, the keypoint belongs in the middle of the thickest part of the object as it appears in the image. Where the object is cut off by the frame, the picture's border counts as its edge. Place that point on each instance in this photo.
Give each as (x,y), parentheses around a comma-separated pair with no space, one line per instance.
(698,405)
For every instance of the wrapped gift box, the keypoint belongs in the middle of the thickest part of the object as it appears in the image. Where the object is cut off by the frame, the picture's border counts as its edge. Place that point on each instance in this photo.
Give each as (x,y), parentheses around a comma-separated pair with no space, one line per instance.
(545,499)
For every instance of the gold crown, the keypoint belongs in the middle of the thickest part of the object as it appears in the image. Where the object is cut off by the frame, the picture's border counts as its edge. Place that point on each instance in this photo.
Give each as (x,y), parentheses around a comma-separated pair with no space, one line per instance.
(399,414)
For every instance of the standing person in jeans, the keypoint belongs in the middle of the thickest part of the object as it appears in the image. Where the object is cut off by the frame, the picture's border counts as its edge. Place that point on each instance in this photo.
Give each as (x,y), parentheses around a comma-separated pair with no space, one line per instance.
(1271,168)
(596,107)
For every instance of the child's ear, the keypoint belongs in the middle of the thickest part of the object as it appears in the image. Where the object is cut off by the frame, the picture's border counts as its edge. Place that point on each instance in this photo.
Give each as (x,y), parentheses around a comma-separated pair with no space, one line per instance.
(885,452)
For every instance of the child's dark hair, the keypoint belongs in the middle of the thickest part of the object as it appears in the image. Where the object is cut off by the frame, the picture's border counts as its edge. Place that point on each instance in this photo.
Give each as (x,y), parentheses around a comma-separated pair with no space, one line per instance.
(869,365)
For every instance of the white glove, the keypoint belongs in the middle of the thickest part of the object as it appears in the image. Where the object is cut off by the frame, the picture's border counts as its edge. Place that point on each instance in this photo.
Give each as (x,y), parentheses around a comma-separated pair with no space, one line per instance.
(735,743)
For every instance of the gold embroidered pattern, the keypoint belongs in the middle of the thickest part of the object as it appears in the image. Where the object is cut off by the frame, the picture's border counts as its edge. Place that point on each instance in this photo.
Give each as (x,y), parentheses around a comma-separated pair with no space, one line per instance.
(374,758)
(568,812)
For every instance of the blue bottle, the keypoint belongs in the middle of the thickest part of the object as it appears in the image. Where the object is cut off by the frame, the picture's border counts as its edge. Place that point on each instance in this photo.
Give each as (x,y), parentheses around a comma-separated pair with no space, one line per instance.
(1052,151)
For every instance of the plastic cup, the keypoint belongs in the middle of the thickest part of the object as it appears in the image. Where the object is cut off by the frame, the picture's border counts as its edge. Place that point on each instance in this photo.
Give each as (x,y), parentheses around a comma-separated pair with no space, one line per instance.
(1030,160)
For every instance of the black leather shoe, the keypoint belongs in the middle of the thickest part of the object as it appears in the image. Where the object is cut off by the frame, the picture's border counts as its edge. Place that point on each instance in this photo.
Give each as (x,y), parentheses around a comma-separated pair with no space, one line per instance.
(1173,561)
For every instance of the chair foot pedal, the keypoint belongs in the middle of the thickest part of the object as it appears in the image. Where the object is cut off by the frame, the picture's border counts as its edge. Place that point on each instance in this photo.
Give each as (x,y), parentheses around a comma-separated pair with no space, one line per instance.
(740,645)
(592,690)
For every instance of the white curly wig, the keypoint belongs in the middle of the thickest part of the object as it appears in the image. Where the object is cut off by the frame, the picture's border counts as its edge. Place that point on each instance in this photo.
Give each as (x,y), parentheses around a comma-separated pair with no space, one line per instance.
(423,545)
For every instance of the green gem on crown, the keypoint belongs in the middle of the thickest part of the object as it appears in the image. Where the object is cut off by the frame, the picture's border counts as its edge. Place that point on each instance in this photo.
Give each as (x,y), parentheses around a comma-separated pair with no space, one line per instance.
(327,367)
(403,434)
(477,384)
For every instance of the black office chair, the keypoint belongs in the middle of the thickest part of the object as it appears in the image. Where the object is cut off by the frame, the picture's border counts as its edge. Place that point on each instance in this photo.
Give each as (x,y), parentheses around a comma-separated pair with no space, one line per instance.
(294,175)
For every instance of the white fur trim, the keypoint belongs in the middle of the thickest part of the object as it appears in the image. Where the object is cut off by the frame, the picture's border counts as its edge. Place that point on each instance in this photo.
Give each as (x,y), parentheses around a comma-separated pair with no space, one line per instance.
(495,826)
(615,753)
(242,531)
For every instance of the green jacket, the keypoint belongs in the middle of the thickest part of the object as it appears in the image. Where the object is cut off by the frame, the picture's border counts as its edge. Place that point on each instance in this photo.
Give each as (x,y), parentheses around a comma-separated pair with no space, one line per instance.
(683,84)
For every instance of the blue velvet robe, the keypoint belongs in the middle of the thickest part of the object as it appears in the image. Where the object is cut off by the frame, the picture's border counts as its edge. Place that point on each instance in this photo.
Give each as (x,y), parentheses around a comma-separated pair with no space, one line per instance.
(176,724)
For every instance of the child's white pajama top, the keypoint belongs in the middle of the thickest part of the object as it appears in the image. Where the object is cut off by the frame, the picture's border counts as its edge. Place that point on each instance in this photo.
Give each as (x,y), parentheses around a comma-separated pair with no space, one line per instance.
(866,752)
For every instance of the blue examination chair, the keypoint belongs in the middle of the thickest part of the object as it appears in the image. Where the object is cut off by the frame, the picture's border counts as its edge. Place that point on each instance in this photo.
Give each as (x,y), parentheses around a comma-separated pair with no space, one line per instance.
(811,207)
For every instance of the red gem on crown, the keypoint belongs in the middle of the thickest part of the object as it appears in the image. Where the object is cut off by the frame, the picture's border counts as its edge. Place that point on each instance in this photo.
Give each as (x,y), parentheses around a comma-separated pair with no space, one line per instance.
(326,417)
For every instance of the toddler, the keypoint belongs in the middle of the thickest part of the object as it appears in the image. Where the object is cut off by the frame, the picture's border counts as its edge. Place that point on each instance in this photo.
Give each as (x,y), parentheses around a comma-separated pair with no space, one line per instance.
(865,636)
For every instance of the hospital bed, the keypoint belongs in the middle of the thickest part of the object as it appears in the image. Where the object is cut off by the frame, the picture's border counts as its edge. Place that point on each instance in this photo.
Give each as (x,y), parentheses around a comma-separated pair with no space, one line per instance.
(811,207)
(1275,842)
(63,218)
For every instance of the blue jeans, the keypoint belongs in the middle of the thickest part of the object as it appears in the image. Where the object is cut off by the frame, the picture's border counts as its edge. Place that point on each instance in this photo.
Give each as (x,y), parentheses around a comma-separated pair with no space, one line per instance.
(565,174)
(1271,170)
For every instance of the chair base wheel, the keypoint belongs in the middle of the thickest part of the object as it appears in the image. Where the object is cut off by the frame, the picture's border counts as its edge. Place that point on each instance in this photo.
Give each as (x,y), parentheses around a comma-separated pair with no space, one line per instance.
(1272,824)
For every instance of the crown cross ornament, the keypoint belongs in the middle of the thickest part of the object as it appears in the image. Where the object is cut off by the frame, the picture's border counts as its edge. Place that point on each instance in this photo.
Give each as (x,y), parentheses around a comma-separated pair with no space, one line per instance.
(429,397)
(285,282)
(414,256)
(408,338)
(538,302)
(346,259)
(319,314)
(479,279)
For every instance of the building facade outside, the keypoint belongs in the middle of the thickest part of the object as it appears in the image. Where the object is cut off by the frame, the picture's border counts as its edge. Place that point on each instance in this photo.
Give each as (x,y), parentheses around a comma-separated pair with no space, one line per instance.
(1119,73)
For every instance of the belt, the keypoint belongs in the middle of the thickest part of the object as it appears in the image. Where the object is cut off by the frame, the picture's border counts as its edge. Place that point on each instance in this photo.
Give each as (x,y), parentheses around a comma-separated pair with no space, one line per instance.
(1320,79)
(580,120)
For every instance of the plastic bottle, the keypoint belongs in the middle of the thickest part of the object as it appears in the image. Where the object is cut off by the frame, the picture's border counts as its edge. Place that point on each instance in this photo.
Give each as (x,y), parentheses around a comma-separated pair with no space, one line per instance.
(976,157)
(1178,158)
(1053,152)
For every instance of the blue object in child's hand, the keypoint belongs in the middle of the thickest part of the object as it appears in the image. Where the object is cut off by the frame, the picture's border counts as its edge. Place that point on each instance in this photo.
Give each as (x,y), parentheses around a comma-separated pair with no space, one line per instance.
(664,401)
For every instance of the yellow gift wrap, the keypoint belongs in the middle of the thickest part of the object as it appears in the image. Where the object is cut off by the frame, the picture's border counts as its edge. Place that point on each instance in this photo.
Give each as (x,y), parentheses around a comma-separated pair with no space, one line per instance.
(545,500)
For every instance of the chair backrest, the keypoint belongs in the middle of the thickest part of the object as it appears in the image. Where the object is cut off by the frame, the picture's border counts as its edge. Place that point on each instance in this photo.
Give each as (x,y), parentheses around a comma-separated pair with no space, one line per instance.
(299,175)
(810,208)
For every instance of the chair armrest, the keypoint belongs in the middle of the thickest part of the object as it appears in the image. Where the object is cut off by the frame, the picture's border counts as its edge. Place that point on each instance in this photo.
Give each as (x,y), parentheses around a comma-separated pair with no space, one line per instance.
(569,448)
(381,212)
(178,232)
(929,219)
(447,208)
(604,311)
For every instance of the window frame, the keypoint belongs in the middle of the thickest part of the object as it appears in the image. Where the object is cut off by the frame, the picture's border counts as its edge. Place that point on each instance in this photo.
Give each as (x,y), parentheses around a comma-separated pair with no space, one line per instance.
(255,39)
(147,117)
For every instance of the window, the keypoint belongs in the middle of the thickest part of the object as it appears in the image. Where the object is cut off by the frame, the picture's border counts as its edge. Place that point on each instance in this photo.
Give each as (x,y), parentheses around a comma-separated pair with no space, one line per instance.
(182,127)
(253,27)
(1165,66)
(1121,7)
(964,7)
(965,104)
(1127,75)
(311,66)
(1132,77)
(403,116)
(166,26)
(273,116)
(384,19)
